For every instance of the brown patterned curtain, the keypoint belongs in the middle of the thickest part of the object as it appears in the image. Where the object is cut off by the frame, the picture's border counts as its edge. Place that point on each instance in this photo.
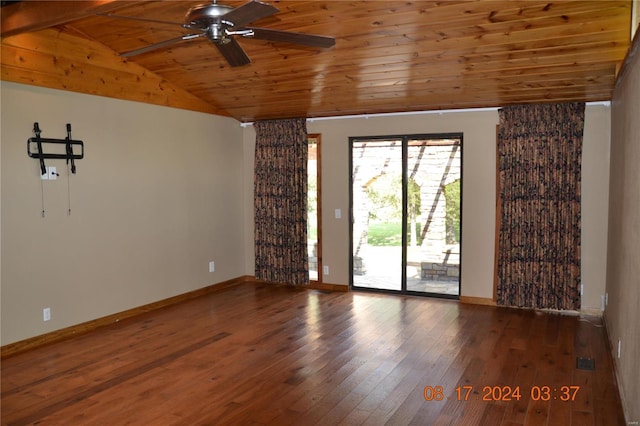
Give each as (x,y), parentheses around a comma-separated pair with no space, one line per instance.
(540,154)
(280,201)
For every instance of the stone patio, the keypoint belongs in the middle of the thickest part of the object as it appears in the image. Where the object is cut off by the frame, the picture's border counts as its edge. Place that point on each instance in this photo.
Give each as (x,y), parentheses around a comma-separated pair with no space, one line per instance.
(383,272)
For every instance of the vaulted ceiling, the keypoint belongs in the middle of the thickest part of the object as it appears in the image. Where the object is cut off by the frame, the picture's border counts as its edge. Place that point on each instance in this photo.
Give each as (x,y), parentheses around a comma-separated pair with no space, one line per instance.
(389,56)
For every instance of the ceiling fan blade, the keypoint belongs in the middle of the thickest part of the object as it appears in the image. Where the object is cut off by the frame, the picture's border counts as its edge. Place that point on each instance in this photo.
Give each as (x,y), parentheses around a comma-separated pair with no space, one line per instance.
(249,12)
(233,53)
(291,37)
(155,46)
(134,18)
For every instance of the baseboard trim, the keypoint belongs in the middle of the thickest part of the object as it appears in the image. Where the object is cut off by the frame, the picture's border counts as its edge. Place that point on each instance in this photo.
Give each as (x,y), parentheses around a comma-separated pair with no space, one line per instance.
(477,300)
(327,287)
(85,327)
(310,286)
(592,312)
(616,369)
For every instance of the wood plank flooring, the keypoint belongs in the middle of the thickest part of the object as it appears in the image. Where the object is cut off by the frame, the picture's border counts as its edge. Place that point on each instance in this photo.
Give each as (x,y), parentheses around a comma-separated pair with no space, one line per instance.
(261,354)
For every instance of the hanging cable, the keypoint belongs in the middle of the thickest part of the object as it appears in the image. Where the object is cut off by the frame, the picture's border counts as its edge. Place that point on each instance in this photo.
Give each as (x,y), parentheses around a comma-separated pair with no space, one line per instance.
(69,189)
(42,193)
(71,165)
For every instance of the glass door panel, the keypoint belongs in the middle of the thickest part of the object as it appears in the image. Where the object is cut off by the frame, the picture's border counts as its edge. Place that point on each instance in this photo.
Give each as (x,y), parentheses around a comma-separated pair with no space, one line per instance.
(314,247)
(377,214)
(433,215)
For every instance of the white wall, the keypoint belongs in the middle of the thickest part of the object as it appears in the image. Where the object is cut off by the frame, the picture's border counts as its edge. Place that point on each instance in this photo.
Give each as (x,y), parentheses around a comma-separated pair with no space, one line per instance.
(623,268)
(157,196)
(163,191)
(595,206)
(478,180)
(249,145)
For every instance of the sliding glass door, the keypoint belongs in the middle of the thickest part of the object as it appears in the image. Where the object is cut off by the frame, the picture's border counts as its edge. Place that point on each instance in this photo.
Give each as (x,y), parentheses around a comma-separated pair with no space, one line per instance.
(406,208)
(377,213)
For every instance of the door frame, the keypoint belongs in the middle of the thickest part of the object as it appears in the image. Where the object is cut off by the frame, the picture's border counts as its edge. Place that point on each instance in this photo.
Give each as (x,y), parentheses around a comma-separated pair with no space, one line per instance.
(405,177)
(318,138)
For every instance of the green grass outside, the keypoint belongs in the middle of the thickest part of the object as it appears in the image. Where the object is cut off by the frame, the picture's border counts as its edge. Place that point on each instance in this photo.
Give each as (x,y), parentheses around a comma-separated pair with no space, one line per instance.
(387,234)
(312,233)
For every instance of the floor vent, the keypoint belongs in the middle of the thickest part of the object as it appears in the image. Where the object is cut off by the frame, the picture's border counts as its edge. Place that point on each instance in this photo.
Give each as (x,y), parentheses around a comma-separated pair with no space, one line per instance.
(585,364)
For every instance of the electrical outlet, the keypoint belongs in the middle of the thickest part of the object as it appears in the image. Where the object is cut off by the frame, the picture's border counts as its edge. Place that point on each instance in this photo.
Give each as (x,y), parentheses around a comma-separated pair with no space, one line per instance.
(325,270)
(46,314)
(53,172)
(338,214)
(212,266)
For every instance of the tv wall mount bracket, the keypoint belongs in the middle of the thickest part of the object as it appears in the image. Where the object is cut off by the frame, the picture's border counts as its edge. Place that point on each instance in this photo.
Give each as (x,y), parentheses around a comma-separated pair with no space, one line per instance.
(41,144)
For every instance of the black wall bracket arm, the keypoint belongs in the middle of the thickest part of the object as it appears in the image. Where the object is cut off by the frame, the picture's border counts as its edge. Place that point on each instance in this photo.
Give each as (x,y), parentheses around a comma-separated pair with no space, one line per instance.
(37,131)
(69,150)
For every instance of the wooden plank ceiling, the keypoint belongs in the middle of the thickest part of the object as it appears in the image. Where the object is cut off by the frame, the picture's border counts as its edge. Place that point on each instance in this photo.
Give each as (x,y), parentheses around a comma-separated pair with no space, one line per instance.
(389,56)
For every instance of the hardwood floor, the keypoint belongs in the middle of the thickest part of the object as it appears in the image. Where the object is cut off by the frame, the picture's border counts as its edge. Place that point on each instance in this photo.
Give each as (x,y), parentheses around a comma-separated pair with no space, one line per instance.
(259,354)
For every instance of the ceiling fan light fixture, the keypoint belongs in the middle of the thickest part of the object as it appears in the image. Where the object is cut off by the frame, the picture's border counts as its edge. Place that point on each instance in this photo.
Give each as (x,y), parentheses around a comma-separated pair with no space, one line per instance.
(216,33)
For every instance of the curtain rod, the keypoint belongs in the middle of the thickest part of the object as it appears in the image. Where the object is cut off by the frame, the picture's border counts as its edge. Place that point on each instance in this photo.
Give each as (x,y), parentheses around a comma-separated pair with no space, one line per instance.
(396,114)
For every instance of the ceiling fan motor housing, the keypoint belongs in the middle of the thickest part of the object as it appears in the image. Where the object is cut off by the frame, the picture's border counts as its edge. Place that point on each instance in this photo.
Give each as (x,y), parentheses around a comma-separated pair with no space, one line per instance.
(208,17)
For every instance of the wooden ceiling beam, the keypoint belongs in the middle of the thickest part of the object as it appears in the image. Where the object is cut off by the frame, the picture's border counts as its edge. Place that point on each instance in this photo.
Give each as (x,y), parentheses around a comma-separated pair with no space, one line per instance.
(26,16)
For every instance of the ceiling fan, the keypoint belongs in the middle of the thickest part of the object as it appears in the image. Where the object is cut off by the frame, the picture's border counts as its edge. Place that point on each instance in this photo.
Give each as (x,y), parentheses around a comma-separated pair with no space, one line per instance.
(220,23)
